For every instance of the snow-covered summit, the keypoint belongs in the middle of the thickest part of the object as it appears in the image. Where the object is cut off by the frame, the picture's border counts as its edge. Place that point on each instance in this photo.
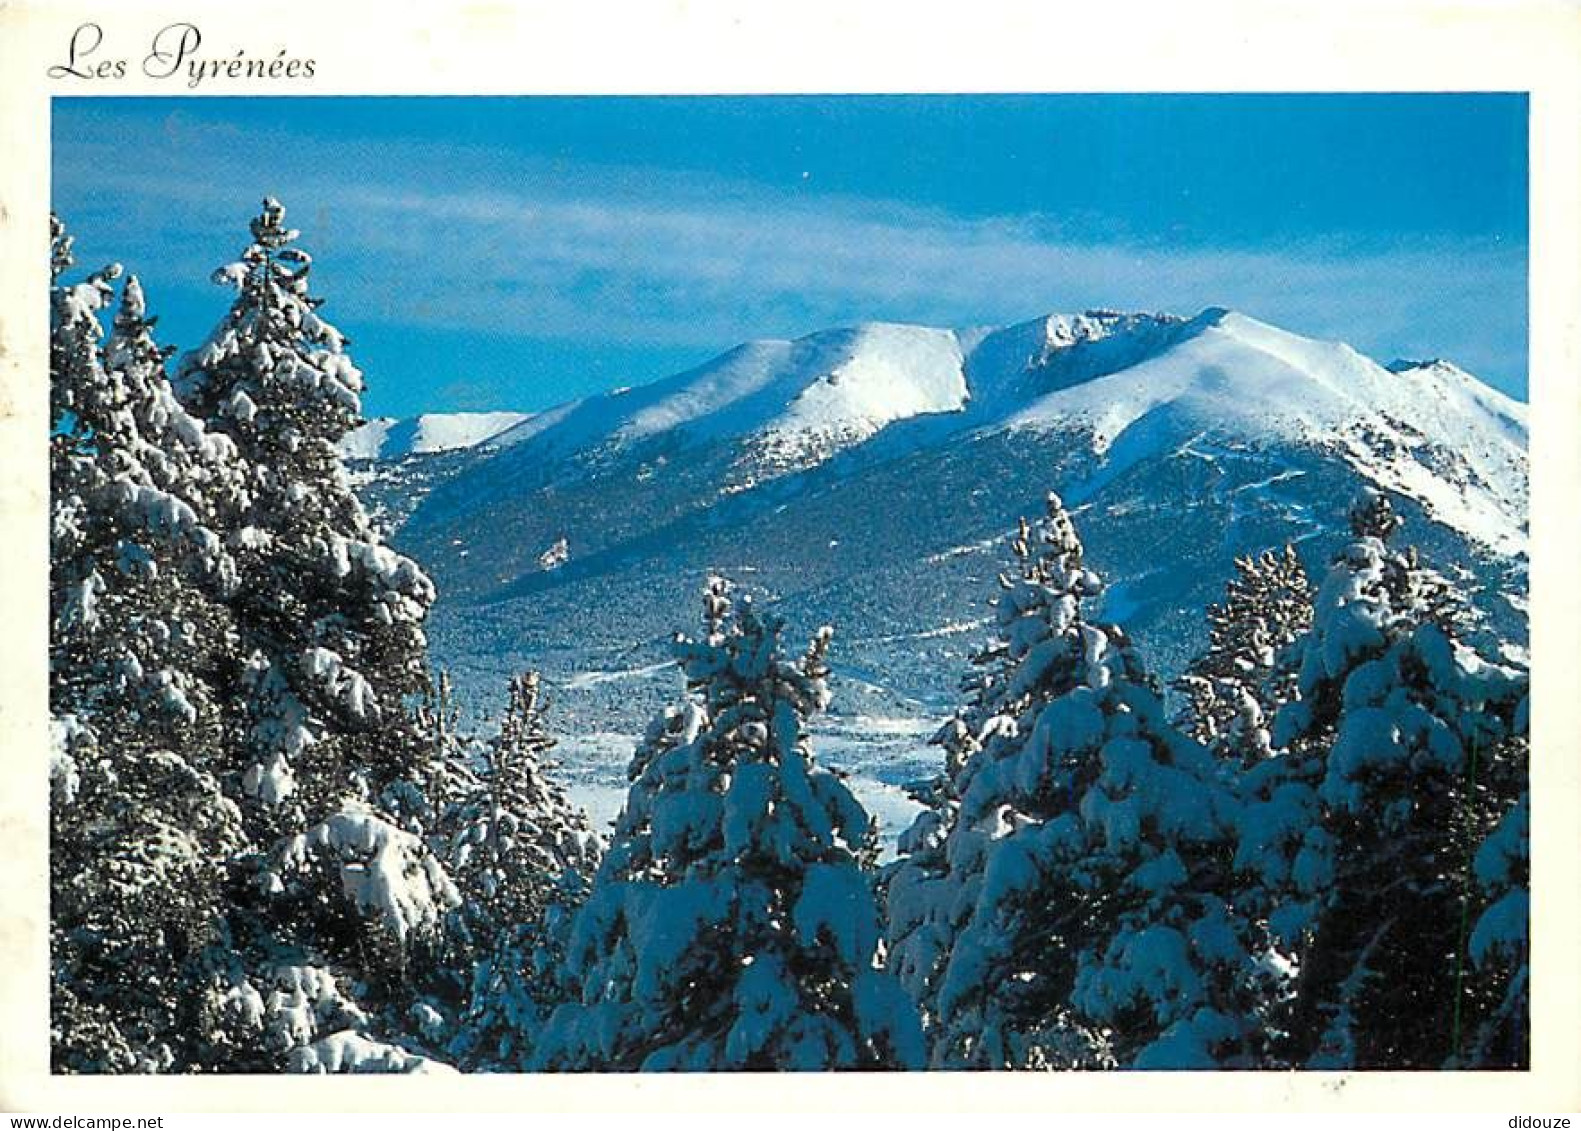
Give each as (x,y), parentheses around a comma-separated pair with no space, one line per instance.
(389,437)
(1226,368)
(1471,394)
(1012,363)
(1430,431)
(791,403)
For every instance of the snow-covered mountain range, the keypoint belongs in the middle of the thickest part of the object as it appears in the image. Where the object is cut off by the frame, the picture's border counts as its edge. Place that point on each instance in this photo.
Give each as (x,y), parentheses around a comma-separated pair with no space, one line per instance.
(389,437)
(868,477)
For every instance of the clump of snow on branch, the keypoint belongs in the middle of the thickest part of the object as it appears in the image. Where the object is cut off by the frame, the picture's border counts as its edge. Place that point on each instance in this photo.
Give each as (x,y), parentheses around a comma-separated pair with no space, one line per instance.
(388,873)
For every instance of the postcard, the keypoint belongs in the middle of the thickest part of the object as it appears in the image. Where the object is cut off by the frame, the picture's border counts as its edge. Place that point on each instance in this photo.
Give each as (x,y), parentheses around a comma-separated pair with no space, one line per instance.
(996,557)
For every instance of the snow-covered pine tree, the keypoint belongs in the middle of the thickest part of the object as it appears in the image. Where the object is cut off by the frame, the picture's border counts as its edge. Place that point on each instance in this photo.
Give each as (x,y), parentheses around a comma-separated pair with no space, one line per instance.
(1235,685)
(522,856)
(1071,908)
(1401,756)
(331,618)
(730,926)
(140,828)
(1494,962)
(328,758)
(449,755)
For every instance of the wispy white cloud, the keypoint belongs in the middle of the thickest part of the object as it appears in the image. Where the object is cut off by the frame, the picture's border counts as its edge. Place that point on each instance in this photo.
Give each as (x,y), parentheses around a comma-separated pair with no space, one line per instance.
(462,239)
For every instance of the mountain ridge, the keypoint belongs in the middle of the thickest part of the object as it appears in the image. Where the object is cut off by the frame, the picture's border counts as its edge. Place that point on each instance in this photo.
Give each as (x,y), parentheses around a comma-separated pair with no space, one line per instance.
(790,406)
(837,387)
(429,433)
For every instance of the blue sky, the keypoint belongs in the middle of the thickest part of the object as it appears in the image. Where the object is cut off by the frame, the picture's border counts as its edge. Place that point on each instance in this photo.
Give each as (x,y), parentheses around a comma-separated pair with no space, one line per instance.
(513,253)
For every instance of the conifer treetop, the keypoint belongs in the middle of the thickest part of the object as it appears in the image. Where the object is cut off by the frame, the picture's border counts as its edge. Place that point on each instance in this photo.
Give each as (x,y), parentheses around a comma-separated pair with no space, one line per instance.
(276,371)
(60,247)
(1372,516)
